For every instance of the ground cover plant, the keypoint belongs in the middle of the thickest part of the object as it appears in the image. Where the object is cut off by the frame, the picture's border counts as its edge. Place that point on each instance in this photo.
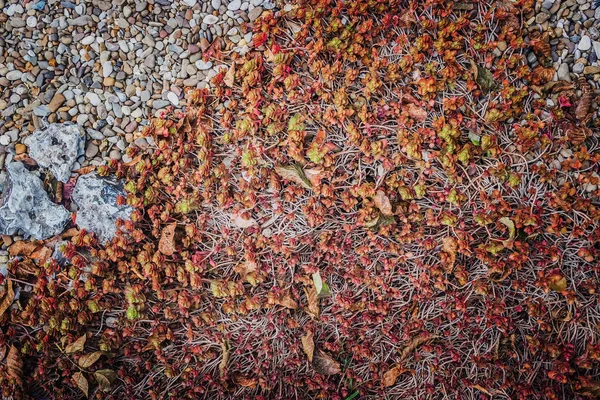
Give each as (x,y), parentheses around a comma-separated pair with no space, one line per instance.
(382,200)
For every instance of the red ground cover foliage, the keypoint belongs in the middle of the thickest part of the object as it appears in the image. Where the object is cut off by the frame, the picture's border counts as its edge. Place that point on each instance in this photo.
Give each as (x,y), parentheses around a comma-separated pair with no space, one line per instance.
(377,202)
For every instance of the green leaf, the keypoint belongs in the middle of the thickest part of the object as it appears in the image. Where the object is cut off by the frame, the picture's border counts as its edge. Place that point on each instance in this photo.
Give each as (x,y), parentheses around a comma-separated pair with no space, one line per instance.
(295,123)
(105,378)
(474,138)
(321,287)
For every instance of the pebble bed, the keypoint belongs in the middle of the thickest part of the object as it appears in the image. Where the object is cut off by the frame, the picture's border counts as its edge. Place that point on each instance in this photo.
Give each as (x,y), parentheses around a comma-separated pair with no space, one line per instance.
(109,66)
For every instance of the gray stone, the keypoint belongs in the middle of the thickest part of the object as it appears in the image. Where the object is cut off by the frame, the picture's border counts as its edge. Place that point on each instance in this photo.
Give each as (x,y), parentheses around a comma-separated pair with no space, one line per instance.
(26,206)
(563,72)
(585,43)
(97,209)
(56,148)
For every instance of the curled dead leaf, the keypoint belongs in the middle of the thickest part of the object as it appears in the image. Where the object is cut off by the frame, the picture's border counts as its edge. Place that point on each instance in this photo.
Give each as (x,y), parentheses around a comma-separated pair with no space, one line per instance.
(166,245)
(245,381)
(229,78)
(382,202)
(8,298)
(242,222)
(324,364)
(389,378)
(308,345)
(415,342)
(224,357)
(15,365)
(22,248)
(286,301)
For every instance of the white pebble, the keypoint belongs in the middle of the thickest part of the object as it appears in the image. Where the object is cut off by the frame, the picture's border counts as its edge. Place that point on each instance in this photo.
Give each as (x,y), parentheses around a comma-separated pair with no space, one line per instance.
(203,65)
(93,98)
(210,19)
(107,69)
(172,97)
(31,21)
(234,5)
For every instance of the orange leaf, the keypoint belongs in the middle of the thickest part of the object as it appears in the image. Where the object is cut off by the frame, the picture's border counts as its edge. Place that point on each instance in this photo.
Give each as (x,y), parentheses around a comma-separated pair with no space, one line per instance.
(166,245)
(245,381)
(389,378)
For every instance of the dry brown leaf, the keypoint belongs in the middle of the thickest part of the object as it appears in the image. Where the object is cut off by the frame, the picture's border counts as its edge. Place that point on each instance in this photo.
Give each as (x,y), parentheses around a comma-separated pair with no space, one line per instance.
(417,113)
(22,248)
(415,342)
(77,345)
(224,358)
(41,254)
(294,173)
(8,298)
(2,352)
(585,102)
(313,301)
(134,161)
(286,301)
(382,202)
(558,283)
(389,378)
(308,345)
(166,245)
(229,78)
(15,365)
(81,383)
(241,222)
(324,364)
(69,233)
(85,170)
(245,381)
(105,378)
(450,247)
(314,175)
(87,360)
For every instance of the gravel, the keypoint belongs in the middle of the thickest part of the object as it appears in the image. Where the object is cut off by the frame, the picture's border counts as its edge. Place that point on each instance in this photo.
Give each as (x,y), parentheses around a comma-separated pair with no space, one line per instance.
(109,66)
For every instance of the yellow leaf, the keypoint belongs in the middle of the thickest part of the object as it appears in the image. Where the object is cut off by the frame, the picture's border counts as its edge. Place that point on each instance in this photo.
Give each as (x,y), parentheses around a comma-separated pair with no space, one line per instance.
(76,345)
(87,360)
(81,382)
(558,283)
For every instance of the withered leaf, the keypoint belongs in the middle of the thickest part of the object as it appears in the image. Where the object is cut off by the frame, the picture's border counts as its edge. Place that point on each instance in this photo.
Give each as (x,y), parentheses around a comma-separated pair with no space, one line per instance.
(81,383)
(294,173)
(324,364)
(286,301)
(308,345)
(389,378)
(41,254)
(87,360)
(224,357)
(511,230)
(8,298)
(245,381)
(417,113)
(166,245)
(105,378)
(77,345)
(382,202)
(229,78)
(313,301)
(22,248)
(558,283)
(483,77)
(14,365)
(414,343)
(241,222)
